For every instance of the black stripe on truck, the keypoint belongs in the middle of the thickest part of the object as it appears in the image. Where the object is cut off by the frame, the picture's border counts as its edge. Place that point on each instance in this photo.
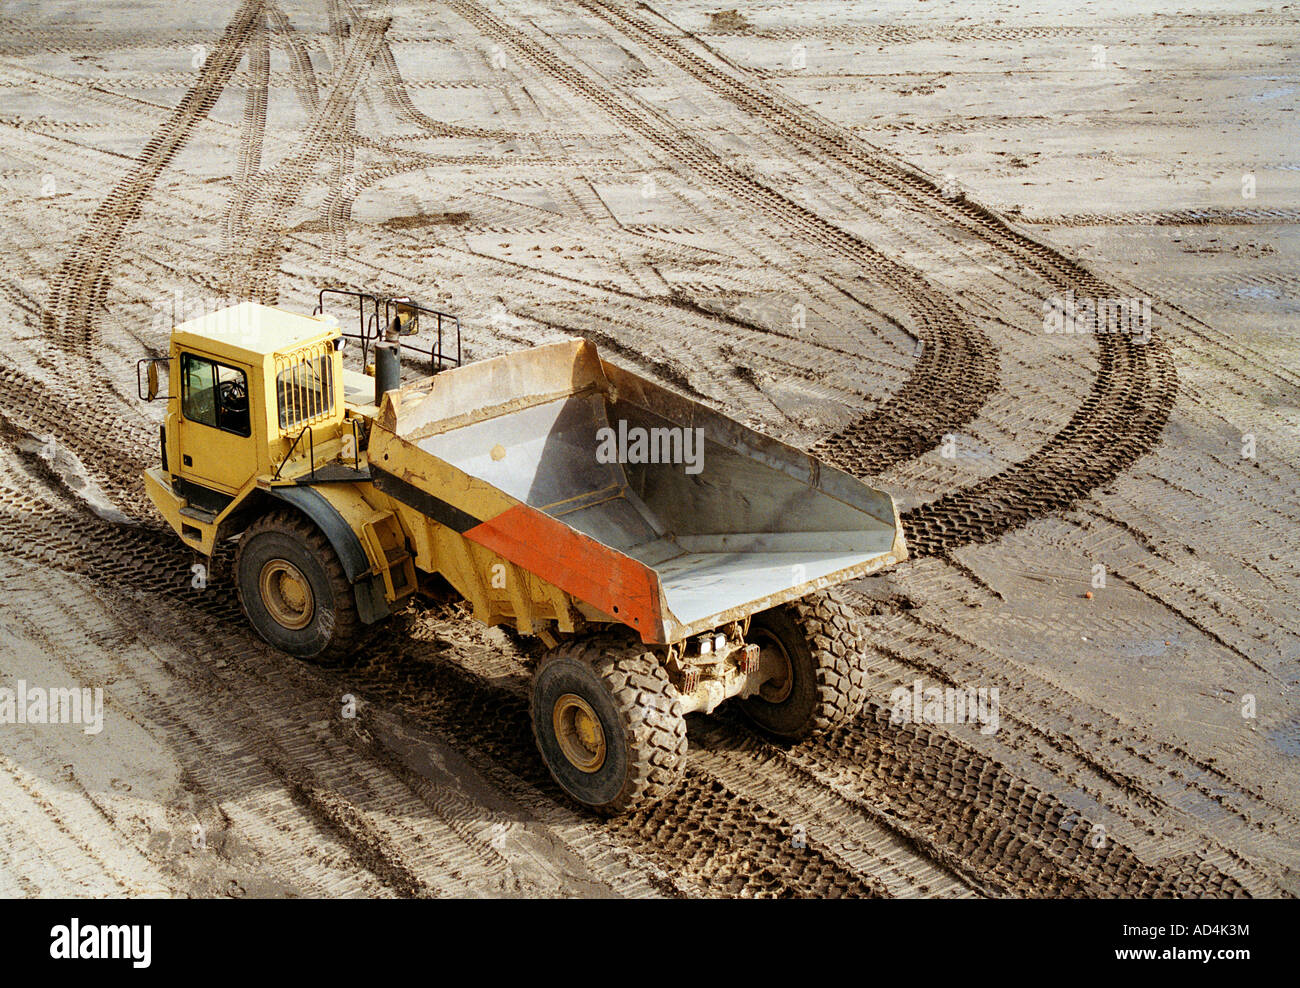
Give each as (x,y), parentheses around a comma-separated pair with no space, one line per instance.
(422,501)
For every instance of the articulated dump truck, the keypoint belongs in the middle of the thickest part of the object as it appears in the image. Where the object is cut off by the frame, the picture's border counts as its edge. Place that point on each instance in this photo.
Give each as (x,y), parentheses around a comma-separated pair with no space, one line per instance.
(667,558)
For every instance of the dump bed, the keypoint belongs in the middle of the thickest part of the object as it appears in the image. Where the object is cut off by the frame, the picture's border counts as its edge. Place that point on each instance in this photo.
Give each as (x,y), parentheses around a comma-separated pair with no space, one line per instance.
(646,505)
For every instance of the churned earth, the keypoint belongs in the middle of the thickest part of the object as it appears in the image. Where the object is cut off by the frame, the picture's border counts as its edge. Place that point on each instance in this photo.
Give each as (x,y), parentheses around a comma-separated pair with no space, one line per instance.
(861,228)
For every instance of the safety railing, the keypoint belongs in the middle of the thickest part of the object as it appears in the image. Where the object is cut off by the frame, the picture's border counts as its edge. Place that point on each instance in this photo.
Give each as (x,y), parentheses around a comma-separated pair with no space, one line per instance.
(311,452)
(376,315)
(354,454)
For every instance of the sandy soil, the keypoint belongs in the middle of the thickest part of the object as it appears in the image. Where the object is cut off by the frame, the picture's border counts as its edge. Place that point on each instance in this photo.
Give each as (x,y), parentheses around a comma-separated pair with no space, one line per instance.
(837,222)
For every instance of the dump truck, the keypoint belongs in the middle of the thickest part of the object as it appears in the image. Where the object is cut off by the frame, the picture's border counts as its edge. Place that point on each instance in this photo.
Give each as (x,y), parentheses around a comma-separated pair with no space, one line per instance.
(666,557)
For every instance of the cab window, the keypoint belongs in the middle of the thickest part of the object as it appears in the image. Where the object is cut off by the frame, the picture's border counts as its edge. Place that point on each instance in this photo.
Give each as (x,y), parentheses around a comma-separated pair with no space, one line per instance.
(214,394)
(305,390)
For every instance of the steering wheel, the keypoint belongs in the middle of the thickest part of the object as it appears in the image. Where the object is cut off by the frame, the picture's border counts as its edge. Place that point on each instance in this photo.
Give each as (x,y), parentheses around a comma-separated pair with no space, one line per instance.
(234,396)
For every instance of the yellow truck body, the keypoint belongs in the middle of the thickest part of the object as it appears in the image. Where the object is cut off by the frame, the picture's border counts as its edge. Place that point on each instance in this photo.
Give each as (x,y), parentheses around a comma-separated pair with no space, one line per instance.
(554,491)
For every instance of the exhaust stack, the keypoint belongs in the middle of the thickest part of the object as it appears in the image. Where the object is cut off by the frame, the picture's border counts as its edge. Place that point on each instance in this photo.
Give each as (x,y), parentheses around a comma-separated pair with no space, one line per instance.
(388,368)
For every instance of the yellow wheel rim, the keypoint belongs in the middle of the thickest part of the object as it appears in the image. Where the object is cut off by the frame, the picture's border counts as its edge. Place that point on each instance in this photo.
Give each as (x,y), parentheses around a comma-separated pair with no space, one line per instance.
(578,730)
(286,594)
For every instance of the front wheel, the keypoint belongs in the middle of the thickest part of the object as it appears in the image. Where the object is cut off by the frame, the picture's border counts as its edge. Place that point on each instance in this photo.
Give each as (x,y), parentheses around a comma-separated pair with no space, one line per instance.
(293,589)
(813,654)
(608,723)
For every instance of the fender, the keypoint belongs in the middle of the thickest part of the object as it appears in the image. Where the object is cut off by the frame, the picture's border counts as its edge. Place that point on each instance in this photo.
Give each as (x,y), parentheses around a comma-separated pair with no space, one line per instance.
(371,605)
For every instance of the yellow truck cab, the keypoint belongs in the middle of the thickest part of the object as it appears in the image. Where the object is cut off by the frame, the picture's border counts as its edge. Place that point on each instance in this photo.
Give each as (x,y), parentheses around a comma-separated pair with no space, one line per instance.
(257,421)
(220,432)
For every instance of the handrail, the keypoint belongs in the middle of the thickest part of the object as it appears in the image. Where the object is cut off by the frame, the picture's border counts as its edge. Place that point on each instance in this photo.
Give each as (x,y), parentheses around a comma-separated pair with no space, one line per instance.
(371,328)
(436,355)
(365,336)
(311,452)
(356,445)
(353,424)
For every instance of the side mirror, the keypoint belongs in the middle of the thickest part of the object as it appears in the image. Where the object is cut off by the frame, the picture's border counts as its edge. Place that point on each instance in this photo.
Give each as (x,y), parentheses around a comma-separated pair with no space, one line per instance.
(151,387)
(407,322)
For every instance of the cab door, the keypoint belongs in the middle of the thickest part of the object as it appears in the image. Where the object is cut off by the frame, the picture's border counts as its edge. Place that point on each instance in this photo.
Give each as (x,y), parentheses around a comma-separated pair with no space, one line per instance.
(216,444)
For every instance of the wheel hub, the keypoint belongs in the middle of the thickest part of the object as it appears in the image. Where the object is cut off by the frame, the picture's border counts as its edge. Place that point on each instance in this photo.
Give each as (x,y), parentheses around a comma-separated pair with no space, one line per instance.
(579,732)
(775,668)
(286,594)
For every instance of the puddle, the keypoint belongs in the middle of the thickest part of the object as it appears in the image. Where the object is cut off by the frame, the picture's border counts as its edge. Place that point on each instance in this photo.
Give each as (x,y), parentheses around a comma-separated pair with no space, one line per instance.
(1257,291)
(74,478)
(1286,738)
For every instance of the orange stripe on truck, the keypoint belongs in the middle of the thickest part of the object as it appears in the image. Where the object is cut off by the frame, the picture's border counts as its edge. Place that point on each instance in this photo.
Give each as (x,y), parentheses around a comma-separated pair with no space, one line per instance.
(620,586)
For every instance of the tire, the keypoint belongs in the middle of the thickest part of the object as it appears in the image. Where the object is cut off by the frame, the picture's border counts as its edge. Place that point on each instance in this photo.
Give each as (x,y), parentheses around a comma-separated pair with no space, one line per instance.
(823,649)
(641,753)
(278,556)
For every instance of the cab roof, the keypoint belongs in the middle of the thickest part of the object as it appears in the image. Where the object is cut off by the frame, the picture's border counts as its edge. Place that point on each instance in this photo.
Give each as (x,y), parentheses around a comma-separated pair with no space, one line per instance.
(252,331)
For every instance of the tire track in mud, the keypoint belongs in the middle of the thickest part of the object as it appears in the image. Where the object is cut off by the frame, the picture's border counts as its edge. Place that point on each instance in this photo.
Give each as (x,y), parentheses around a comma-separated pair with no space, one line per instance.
(304,76)
(692,833)
(947,385)
(283,186)
(221,780)
(114,452)
(285,190)
(258,247)
(81,285)
(376,771)
(337,208)
(313,777)
(395,93)
(649,310)
(1075,741)
(897,34)
(866,839)
(1121,419)
(374,841)
(1007,834)
(1206,216)
(999,827)
(75,837)
(705,831)
(249,162)
(343,193)
(952,346)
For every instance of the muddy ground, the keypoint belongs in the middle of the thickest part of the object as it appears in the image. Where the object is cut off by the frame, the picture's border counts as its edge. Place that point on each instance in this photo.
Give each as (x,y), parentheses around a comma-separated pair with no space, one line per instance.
(840,223)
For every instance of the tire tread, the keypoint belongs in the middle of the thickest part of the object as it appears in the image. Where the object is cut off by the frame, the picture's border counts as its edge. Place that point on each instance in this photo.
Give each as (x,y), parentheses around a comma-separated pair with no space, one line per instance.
(839,646)
(347,623)
(649,707)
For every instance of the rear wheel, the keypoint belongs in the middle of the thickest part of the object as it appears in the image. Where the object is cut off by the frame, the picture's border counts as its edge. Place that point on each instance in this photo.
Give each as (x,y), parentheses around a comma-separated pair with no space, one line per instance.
(814,656)
(608,723)
(293,589)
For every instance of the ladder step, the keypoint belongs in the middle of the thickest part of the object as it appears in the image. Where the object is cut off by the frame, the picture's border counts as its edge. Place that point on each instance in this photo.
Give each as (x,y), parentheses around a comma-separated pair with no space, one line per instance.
(198,514)
(384,537)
